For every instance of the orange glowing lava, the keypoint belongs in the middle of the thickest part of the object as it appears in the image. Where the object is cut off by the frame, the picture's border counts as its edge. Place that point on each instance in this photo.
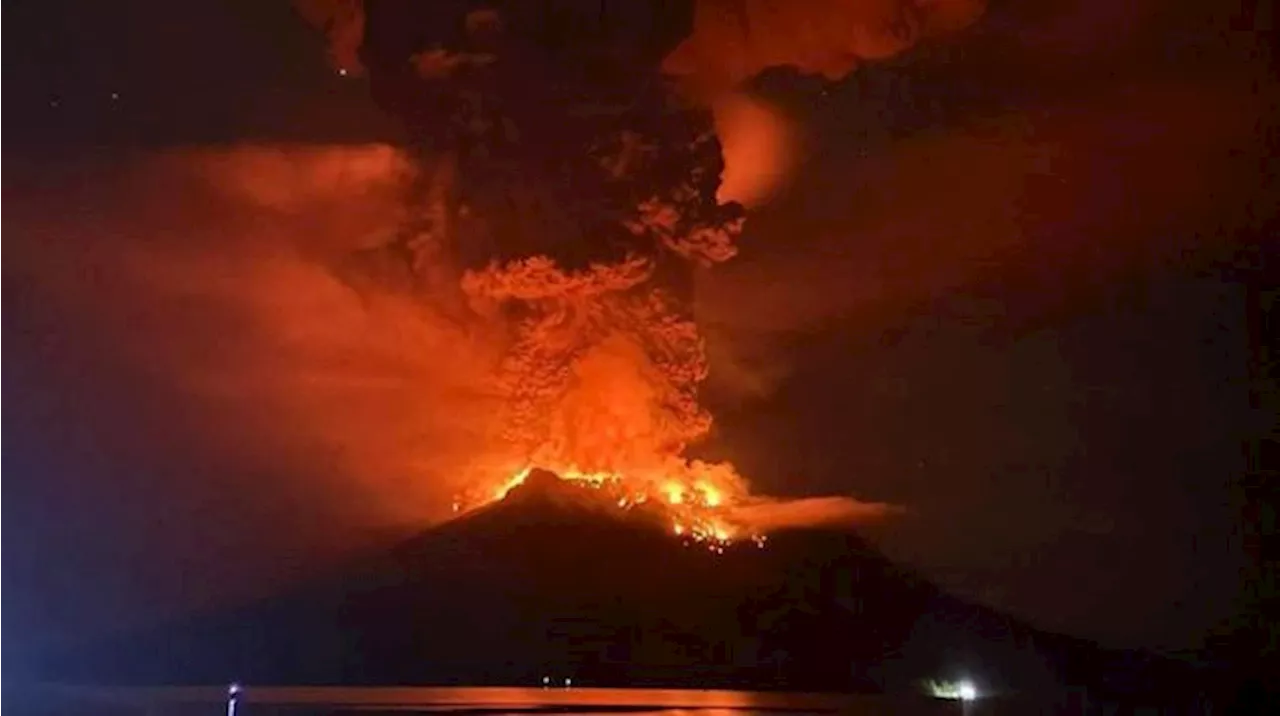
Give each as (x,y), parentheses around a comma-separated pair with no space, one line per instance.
(694,507)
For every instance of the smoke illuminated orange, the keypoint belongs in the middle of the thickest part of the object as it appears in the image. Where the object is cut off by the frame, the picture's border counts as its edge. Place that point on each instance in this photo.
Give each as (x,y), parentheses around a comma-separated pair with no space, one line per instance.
(600,366)
(599,381)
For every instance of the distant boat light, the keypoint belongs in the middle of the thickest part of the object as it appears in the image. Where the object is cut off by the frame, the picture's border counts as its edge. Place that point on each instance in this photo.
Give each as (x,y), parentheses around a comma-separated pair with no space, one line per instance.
(952,690)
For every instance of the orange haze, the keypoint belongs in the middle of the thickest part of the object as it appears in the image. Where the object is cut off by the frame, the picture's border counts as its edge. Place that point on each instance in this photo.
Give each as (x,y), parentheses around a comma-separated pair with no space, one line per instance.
(216,273)
(224,286)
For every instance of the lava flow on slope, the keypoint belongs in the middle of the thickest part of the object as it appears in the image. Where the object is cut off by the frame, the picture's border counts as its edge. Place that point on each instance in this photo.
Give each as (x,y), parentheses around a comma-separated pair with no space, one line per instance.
(694,508)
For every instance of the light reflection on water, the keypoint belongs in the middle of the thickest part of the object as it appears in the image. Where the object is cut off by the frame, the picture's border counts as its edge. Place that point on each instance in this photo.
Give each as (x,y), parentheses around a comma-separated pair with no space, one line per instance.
(487,701)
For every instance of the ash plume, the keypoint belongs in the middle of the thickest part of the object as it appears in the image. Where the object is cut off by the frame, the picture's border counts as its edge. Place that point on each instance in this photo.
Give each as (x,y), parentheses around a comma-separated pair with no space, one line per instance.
(579,162)
(710,48)
(726,42)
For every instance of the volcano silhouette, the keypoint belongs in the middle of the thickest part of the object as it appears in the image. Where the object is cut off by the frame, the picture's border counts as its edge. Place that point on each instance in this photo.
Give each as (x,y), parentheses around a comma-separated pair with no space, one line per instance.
(552,582)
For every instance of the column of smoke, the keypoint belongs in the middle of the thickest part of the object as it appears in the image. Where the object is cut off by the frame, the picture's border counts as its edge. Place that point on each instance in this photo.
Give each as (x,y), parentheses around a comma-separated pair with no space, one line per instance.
(603,365)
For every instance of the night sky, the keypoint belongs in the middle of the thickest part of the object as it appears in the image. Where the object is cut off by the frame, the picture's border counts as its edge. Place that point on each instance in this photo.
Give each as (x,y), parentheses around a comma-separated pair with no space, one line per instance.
(1007,289)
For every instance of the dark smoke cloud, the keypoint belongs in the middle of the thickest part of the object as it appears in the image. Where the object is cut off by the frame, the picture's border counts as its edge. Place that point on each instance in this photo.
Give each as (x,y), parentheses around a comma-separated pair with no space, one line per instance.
(731,42)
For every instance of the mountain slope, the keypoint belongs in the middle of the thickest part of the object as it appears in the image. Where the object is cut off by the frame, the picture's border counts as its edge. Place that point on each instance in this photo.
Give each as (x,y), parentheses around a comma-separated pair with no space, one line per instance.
(550,581)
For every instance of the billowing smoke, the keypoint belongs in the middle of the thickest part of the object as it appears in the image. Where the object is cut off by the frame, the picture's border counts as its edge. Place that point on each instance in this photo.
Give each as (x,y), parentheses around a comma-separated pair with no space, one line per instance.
(728,43)
(570,191)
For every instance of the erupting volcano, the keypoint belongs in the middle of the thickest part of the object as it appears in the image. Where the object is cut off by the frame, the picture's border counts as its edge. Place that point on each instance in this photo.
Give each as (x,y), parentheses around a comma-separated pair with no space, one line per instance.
(520,317)
(699,515)
(570,163)
(600,387)
(548,580)
(599,382)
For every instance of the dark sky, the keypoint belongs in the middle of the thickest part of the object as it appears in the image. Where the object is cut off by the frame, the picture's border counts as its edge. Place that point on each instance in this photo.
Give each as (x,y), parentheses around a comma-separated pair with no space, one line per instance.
(1007,290)
(182,73)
